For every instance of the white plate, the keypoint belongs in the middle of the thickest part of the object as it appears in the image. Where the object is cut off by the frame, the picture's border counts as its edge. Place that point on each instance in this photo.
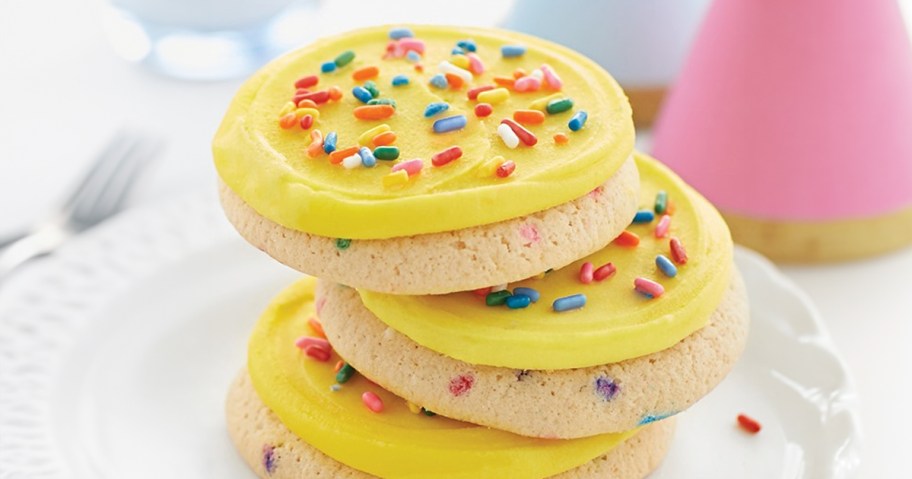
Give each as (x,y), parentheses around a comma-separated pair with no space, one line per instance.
(116,353)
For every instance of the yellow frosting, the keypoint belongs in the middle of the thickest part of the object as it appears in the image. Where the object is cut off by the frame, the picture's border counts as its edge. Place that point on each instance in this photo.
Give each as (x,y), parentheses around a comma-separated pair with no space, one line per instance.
(394,442)
(267,166)
(616,323)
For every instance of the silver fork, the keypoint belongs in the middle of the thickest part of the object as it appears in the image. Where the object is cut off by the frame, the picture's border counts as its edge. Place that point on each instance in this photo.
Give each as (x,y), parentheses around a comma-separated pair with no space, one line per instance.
(101,193)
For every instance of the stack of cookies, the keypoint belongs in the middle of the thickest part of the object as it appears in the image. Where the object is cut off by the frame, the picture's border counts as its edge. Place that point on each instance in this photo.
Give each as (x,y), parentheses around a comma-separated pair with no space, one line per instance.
(505,288)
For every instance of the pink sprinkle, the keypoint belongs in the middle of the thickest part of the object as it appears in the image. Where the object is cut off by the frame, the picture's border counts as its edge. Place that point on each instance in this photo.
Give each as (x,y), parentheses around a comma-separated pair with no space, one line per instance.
(648,288)
(678,254)
(597,192)
(603,271)
(304,341)
(372,401)
(586,272)
(661,230)
(552,81)
(527,83)
(461,384)
(317,352)
(321,301)
(412,44)
(413,167)
(529,233)
(475,65)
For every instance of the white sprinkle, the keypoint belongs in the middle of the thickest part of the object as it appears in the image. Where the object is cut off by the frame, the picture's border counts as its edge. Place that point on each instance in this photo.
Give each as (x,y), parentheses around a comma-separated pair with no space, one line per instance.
(351,162)
(447,67)
(506,134)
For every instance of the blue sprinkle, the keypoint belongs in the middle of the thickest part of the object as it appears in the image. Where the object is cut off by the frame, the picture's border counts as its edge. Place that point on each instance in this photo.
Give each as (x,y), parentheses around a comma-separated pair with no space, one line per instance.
(397,33)
(329,143)
(328,67)
(512,51)
(606,387)
(578,120)
(335,388)
(643,216)
(362,94)
(467,45)
(451,123)
(367,158)
(413,56)
(650,418)
(531,293)
(439,81)
(518,301)
(400,80)
(667,267)
(567,303)
(457,51)
(269,458)
(435,108)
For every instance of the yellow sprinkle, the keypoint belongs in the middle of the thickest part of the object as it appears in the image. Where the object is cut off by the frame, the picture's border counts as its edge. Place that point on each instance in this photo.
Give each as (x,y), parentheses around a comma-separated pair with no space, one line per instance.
(396,178)
(300,112)
(496,95)
(542,103)
(460,61)
(369,135)
(287,108)
(489,168)
(413,408)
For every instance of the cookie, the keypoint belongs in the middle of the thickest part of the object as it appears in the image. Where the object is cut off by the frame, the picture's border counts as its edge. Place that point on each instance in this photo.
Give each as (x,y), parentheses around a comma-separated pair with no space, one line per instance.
(274,452)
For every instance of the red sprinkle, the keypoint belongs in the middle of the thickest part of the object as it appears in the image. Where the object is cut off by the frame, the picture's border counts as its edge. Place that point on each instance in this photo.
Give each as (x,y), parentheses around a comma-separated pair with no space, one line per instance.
(586,273)
(372,401)
(318,353)
(505,169)
(603,271)
(307,121)
(446,156)
(318,97)
(483,109)
(678,254)
(626,238)
(461,384)
(482,291)
(473,93)
(307,81)
(748,424)
(524,135)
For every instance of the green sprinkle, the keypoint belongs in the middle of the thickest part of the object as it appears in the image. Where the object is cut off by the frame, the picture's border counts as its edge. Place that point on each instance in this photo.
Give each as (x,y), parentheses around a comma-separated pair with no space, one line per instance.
(661,202)
(559,106)
(345,373)
(428,413)
(342,243)
(382,101)
(386,152)
(372,88)
(497,298)
(344,58)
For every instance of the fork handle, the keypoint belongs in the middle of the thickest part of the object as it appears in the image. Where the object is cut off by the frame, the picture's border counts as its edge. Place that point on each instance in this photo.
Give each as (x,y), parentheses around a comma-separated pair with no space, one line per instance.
(27,248)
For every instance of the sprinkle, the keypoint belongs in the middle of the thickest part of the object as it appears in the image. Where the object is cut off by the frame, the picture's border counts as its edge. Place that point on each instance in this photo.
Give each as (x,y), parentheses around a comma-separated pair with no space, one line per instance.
(499,287)
(483,110)
(627,238)
(473,92)
(439,81)
(318,353)
(307,121)
(670,209)
(467,45)
(372,88)
(308,111)
(337,156)
(397,33)
(512,51)
(382,101)
(454,81)
(412,407)
(400,80)
(662,228)
(364,73)
(305,103)
(666,266)
(497,298)
(361,94)
(345,373)
(428,412)
(288,121)
(505,169)
(412,167)
(411,45)
(552,81)
(307,81)
(457,51)
(447,67)
(518,302)
(396,178)
(367,158)
(475,64)
(606,387)
(508,135)
(603,272)
(519,73)
(559,106)
(386,153)
(316,326)
(748,424)
(446,156)
(451,123)
(648,288)
(542,103)
(338,366)
(435,108)
(643,216)
(661,202)
(384,139)
(527,84)
(493,96)
(578,121)
(529,117)
(352,162)
(328,67)
(372,401)
(531,293)
(586,273)
(568,303)
(460,61)
(335,93)
(678,253)
(269,459)
(343,243)
(318,97)
(365,138)
(461,384)
(287,108)
(506,82)
(489,167)
(344,58)
(561,138)
(304,341)
(413,56)
(374,112)
(335,388)
(329,144)
(526,136)
(482,291)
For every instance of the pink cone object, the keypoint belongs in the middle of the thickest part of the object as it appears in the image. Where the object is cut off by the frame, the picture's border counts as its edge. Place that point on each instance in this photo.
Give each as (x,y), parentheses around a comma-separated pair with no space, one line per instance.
(795,110)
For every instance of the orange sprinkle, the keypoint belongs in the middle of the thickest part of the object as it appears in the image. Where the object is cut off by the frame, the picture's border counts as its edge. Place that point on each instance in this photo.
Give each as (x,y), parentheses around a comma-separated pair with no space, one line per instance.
(670,208)
(316,144)
(335,93)
(338,366)
(519,73)
(288,121)
(627,238)
(561,138)
(337,156)
(364,73)
(374,112)
(383,139)
(316,327)
(505,81)
(419,67)
(529,117)
(455,81)
(307,104)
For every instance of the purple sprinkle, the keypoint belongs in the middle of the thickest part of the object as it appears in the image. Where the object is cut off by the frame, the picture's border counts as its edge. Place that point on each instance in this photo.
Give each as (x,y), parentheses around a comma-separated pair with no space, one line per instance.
(269,458)
(606,388)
